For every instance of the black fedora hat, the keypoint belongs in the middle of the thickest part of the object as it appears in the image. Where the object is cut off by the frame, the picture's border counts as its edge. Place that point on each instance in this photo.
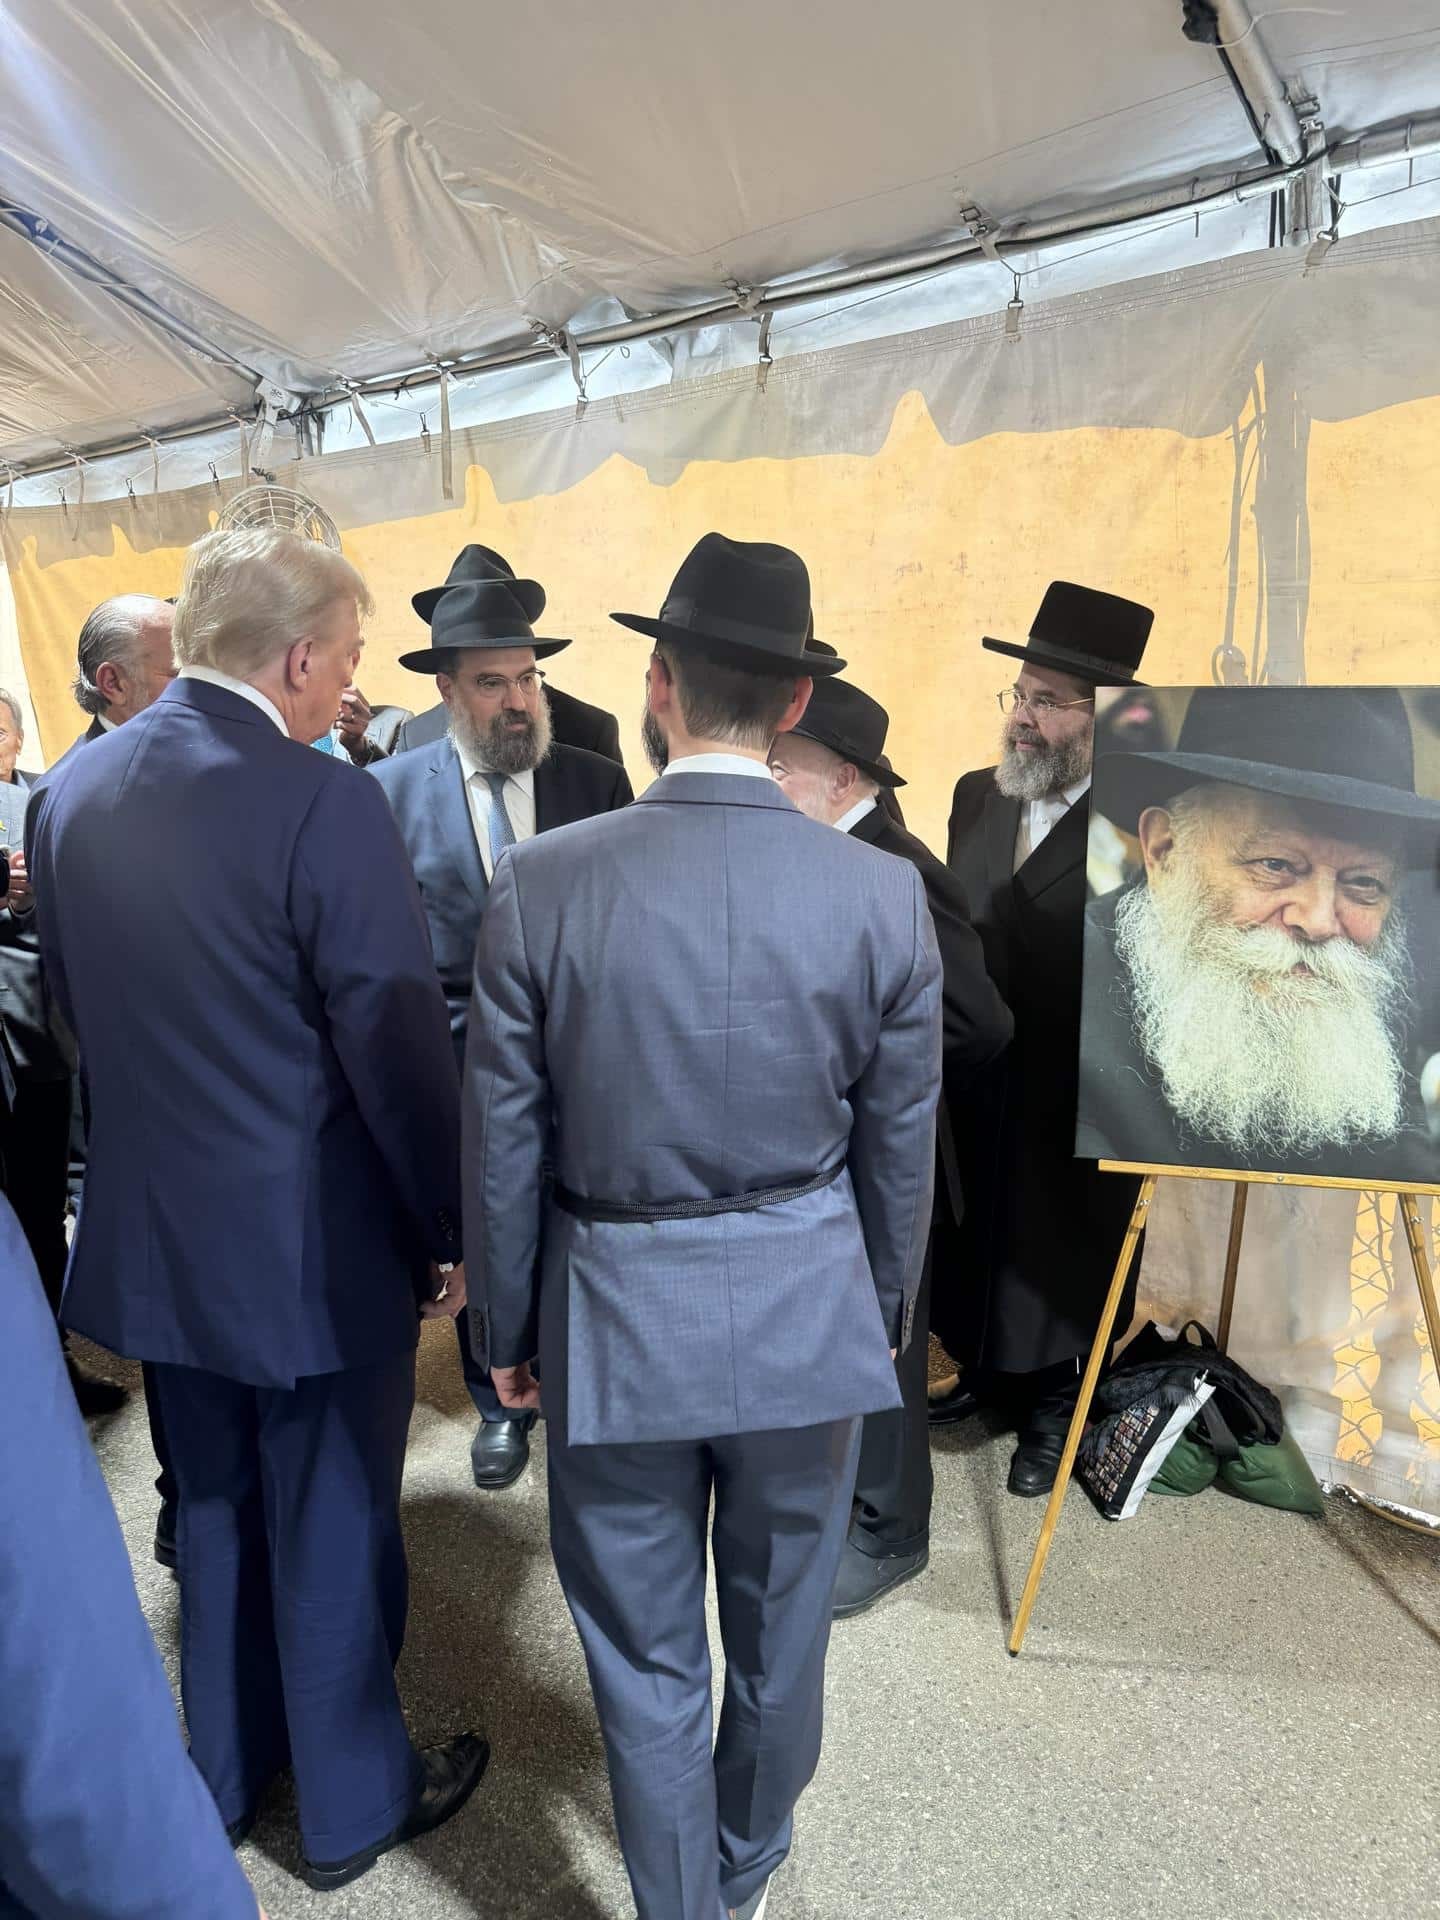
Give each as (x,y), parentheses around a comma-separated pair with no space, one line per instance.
(741,602)
(485,614)
(475,563)
(851,724)
(1081,631)
(1342,747)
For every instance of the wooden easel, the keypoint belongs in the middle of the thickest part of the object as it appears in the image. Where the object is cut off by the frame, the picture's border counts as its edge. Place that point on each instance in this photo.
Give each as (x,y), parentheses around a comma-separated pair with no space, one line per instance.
(1424,1280)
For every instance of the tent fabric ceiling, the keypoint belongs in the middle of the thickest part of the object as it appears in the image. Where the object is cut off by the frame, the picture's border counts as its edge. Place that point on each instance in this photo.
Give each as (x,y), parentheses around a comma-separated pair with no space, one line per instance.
(320,191)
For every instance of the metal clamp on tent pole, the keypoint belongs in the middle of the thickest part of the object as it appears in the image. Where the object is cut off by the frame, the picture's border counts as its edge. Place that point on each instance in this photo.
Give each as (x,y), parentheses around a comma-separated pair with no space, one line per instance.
(562,342)
(767,359)
(982,231)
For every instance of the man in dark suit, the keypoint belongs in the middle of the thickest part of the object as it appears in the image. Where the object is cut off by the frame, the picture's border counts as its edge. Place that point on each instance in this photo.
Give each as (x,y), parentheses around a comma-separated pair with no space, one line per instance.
(495,780)
(575,722)
(724,1026)
(105,1814)
(37,1062)
(1042,1230)
(233,933)
(833,766)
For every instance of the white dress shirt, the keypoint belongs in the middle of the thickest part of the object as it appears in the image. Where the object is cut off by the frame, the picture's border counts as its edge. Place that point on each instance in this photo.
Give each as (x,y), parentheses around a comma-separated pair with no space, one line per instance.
(857,813)
(1039,818)
(719,763)
(213,677)
(519,797)
(107,723)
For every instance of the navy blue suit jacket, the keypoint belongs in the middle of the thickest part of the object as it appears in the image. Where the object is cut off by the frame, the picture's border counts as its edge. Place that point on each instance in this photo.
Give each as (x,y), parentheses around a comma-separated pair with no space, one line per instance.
(426,787)
(233,933)
(103,1814)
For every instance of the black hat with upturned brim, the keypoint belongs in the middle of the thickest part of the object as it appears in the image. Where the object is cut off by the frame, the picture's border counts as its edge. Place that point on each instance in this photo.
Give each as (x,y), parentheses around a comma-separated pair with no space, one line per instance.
(1085,633)
(483,616)
(742,603)
(848,722)
(1348,748)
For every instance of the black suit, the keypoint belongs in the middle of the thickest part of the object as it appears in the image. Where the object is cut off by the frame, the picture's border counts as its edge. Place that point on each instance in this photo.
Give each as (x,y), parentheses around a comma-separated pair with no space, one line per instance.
(1043,1229)
(37,1062)
(575,723)
(894,1484)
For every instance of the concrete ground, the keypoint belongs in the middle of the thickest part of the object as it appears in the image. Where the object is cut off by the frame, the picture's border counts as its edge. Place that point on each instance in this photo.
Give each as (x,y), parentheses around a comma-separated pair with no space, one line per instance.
(1221,1713)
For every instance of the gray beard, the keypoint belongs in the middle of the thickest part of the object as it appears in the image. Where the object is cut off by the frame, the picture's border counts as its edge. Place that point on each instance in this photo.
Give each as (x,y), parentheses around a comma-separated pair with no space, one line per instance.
(1266,1061)
(501,748)
(1035,776)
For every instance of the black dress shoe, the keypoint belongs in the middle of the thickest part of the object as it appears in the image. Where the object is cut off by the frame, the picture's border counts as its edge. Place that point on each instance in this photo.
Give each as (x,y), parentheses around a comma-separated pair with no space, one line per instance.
(500,1452)
(452,1773)
(1036,1463)
(92,1395)
(864,1580)
(166,1551)
(956,1403)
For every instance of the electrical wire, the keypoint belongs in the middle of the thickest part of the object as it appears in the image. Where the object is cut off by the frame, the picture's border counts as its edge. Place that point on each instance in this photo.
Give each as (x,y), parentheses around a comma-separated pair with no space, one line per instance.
(1335,13)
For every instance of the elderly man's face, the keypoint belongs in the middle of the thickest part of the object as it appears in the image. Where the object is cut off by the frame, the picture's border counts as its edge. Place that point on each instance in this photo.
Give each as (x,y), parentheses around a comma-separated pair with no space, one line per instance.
(1267,971)
(812,777)
(334,654)
(1265,862)
(128,690)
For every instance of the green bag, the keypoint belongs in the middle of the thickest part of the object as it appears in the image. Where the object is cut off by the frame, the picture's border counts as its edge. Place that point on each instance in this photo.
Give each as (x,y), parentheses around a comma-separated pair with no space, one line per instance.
(1277,1476)
(1189,1467)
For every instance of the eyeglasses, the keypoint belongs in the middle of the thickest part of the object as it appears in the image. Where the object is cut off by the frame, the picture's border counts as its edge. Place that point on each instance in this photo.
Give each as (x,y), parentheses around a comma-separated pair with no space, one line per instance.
(1011,700)
(495,686)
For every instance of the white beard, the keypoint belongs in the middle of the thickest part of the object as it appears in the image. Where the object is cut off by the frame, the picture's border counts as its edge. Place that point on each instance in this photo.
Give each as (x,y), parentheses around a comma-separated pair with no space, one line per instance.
(1251,1053)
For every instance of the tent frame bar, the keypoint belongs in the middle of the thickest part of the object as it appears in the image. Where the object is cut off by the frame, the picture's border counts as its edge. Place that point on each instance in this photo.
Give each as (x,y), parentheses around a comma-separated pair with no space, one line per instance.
(1375,146)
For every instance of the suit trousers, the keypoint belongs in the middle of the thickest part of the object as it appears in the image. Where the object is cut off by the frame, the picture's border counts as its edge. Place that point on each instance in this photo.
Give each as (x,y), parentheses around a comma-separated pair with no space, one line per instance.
(34,1153)
(477,1378)
(895,1483)
(293,1592)
(701,1826)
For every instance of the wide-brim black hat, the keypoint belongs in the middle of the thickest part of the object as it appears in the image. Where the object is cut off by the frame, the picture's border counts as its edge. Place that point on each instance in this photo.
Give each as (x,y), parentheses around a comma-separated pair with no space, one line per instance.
(848,722)
(475,563)
(485,615)
(1083,632)
(1348,748)
(743,603)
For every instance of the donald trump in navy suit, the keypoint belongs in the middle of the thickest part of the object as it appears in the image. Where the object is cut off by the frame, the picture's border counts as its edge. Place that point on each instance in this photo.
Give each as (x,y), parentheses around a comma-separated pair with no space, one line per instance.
(233,932)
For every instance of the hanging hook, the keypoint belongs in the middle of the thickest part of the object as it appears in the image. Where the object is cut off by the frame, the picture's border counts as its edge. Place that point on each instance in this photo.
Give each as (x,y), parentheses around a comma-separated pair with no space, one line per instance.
(1013,310)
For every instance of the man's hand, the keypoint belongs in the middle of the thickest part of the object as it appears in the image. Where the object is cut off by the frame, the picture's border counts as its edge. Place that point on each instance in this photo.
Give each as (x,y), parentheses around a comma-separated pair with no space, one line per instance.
(517,1387)
(21,898)
(355,715)
(447,1301)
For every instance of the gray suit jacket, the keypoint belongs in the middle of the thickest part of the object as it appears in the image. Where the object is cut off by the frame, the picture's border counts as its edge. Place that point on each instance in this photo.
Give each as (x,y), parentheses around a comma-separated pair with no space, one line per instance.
(701,996)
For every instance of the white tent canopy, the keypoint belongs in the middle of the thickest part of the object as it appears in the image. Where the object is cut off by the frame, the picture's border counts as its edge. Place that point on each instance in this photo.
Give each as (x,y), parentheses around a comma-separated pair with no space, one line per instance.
(196,201)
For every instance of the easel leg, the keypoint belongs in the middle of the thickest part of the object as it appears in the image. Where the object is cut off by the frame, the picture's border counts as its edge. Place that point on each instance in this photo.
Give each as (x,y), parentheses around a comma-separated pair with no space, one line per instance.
(1424,1278)
(1098,1354)
(1232,1261)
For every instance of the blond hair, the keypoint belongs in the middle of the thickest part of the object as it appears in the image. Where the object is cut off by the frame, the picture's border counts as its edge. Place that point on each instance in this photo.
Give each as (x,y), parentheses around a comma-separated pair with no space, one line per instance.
(250,596)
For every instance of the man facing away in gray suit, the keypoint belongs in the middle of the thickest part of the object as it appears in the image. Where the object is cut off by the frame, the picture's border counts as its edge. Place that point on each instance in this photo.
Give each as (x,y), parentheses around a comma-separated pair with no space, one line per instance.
(738,1103)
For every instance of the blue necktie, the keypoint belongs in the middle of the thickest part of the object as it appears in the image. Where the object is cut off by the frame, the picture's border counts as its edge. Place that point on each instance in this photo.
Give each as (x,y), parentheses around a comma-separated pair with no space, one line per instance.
(502,834)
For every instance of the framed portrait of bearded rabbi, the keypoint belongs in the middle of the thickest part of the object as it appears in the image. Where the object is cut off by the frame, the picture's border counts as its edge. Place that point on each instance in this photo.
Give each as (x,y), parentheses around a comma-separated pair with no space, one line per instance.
(1262,937)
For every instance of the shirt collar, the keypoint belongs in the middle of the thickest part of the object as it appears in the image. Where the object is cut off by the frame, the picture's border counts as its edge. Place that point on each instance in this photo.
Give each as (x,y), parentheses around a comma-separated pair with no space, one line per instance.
(720,763)
(109,725)
(213,677)
(1058,803)
(857,813)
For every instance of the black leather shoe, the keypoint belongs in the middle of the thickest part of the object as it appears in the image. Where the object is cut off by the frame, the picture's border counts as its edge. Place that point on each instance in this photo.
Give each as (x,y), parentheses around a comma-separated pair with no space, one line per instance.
(166,1551)
(1036,1463)
(92,1395)
(864,1580)
(956,1402)
(453,1770)
(500,1453)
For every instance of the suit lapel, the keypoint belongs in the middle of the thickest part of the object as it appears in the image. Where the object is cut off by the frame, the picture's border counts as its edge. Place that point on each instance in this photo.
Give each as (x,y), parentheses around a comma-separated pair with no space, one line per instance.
(1059,853)
(1002,823)
(451,807)
(552,808)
